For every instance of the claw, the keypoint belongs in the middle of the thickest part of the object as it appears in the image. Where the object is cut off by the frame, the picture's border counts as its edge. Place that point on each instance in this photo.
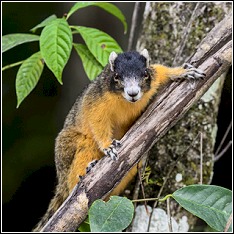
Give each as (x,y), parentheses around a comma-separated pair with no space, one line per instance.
(187,65)
(91,165)
(192,72)
(111,150)
(116,143)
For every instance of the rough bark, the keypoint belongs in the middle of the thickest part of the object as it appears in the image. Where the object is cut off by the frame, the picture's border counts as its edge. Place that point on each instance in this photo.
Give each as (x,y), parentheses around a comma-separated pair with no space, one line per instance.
(165,110)
(171,31)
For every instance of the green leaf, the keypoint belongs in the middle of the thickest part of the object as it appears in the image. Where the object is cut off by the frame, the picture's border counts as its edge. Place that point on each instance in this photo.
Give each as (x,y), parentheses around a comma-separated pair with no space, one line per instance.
(11,40)
(91,66)
(109,7)
(211,203)
(45,22)
(84,227)
(99,43)
(28,76)
(112,216)
(56,45)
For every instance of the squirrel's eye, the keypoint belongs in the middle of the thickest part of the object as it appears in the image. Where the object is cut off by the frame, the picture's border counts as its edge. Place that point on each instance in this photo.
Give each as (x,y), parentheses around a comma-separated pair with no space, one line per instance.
(146,74)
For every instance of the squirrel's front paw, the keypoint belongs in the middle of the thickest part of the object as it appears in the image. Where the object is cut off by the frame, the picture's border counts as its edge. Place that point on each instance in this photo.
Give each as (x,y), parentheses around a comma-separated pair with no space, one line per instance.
(192,72)
(111,150)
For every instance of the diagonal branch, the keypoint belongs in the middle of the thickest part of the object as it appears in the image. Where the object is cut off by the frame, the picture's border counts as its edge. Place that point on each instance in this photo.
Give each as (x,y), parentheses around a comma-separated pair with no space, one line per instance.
(214,56)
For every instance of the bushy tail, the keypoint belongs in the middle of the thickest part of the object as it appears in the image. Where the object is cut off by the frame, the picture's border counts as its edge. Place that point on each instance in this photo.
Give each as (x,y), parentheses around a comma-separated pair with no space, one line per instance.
(55,203)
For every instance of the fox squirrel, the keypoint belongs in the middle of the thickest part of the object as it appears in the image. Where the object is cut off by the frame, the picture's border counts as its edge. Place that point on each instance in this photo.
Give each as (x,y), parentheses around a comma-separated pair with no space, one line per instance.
(103,114)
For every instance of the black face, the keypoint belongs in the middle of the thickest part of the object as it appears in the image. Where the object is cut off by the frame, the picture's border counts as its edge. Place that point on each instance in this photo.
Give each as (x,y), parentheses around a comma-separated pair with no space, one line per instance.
(130,65)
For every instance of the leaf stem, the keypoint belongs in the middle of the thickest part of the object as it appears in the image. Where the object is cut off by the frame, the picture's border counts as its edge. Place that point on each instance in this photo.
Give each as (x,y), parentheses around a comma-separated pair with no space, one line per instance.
(145,199)
(12,65)
(153,199)
(165,198)
(74,27)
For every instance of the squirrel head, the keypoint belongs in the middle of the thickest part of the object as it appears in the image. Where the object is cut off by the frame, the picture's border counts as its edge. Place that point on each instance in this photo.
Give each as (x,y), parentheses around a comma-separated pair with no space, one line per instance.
(130,74)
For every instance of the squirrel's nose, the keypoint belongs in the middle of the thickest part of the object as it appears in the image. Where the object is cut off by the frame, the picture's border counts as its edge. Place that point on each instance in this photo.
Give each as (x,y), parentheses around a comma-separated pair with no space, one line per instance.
(133,92)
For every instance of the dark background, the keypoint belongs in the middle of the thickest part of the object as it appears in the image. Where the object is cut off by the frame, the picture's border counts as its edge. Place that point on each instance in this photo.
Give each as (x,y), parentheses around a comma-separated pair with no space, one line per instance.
(28,172)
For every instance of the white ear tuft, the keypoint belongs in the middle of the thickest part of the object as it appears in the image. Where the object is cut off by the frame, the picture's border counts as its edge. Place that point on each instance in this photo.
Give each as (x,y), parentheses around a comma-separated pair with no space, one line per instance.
(145,53)
(112,58)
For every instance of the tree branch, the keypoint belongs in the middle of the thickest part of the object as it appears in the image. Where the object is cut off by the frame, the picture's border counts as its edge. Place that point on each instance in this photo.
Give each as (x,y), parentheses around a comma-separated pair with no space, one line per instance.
(214,56)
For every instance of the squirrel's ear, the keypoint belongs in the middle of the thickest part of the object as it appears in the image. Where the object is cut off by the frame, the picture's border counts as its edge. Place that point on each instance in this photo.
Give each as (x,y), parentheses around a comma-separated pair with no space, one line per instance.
(112,58)
(145,53)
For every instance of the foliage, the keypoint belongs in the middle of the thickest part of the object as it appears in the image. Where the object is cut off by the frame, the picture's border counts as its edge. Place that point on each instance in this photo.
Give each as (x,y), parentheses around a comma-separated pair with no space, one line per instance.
(211,203)
(56,43)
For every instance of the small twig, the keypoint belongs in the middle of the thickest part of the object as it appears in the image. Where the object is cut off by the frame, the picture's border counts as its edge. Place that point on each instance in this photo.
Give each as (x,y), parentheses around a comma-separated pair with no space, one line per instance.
(229,222)
(139,183)
(143,191)
(201,158)
(136,190)
(133,26)
(223,139)
(137,186)
(169,215)
(160,191)
(185,35)
(159,194)
(12,65)
(138,180)
(217,157)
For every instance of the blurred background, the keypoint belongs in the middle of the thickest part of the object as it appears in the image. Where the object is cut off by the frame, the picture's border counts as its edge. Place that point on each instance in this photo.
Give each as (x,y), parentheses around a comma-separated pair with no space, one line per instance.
(29,132)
